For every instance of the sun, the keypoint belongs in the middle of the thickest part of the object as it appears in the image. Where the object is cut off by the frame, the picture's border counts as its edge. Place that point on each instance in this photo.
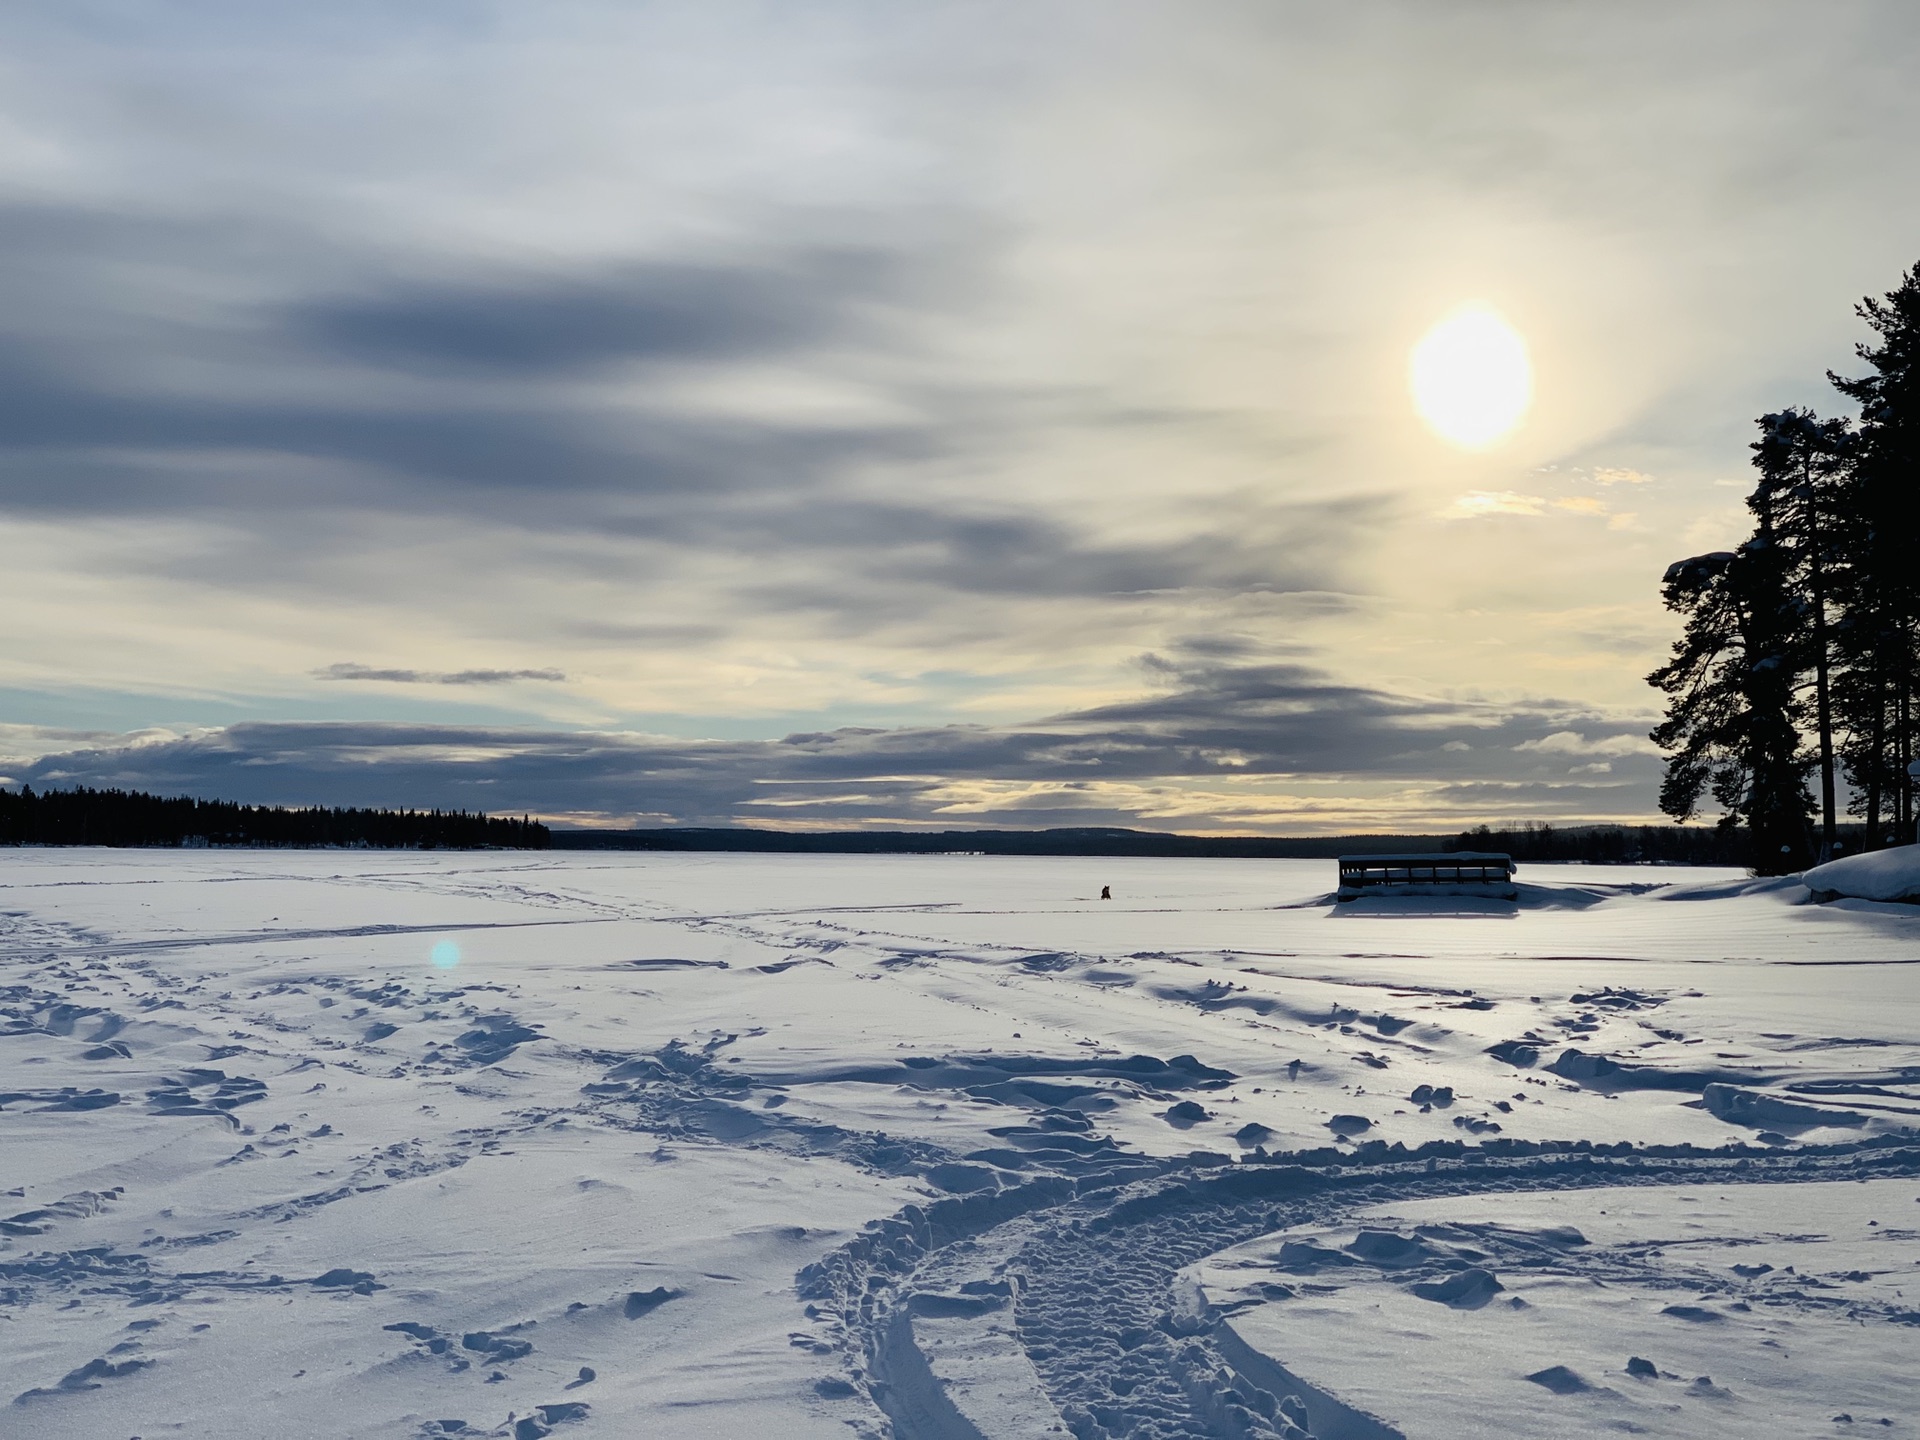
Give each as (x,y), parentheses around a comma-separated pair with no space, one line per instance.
(1471,378)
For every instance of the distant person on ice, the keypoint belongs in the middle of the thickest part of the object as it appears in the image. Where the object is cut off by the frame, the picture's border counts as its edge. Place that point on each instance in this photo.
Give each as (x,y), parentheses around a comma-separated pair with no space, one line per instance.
(1106,892)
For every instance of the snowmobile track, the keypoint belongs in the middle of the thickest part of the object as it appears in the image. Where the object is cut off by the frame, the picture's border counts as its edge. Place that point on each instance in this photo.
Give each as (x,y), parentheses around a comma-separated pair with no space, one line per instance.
(1054,1306)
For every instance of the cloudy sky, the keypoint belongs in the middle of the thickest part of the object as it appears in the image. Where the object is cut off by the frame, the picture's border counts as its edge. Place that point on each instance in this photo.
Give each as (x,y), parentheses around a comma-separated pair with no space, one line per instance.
(953,414)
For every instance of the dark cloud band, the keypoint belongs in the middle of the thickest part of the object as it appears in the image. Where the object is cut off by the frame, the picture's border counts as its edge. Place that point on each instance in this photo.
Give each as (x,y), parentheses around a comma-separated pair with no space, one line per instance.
(1205,750)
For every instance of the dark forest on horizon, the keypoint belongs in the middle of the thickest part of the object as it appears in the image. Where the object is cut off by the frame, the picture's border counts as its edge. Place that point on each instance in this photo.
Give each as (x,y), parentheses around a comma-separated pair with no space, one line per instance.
(129,818)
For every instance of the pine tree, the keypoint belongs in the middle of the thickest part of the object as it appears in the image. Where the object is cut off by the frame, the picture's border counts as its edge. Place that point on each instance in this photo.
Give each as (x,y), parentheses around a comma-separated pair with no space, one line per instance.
(1881,637)
(1733,715)
(1814,624)
(1804,475)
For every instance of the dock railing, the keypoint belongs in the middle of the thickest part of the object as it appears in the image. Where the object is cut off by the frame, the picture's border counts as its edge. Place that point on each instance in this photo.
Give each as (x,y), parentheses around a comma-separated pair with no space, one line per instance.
(1460,873)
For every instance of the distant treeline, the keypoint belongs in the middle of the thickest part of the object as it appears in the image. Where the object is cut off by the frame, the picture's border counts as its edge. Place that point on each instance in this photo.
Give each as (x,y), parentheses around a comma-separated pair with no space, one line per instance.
(1612,844)
(1595,844)
(128,817)
(131,818)
(1087,840)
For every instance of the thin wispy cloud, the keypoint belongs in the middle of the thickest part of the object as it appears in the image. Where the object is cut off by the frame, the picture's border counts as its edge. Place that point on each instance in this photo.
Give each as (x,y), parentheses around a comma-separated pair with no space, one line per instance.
(1609,475)
(1477,503)
(349,671)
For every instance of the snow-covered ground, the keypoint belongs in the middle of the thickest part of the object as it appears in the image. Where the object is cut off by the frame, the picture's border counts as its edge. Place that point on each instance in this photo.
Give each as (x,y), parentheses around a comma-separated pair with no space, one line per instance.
(1752,1309)
(346,1144)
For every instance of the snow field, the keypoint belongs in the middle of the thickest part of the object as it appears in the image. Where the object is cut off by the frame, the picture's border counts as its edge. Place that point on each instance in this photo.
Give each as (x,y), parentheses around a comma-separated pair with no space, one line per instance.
(410,1145)
(1749,1309)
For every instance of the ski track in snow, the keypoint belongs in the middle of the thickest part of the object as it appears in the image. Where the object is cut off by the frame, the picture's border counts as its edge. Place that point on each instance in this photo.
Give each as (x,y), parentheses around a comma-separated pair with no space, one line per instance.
(697,1146)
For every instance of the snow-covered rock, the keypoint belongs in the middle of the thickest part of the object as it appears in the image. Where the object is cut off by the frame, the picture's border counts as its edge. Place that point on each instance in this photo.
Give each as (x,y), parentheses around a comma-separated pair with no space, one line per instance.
(1878,875)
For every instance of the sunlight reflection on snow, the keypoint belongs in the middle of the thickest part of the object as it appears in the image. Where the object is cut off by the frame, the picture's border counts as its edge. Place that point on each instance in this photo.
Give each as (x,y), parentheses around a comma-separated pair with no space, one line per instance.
(445,955)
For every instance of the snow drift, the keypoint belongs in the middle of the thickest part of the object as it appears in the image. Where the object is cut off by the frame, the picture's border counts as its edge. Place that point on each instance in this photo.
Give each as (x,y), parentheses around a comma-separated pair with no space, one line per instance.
(1878,875)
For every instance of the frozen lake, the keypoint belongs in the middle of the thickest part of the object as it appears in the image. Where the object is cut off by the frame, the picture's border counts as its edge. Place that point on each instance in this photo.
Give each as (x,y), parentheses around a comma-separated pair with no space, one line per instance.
(397,1144)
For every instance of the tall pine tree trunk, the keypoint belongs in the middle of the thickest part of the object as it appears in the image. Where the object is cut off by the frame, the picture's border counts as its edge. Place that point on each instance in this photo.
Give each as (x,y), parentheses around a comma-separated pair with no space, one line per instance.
(1823,700)
(1876,742)
(1903,757)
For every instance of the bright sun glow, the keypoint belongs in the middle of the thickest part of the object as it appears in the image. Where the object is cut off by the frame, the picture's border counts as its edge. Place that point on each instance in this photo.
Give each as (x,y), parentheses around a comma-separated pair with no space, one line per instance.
(1470,377)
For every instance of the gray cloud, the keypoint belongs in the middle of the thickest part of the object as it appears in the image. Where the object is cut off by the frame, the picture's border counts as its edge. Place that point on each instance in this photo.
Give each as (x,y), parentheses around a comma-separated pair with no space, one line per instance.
(346,670)
(670,311)
(1215,733)
(460,403)
(88,423)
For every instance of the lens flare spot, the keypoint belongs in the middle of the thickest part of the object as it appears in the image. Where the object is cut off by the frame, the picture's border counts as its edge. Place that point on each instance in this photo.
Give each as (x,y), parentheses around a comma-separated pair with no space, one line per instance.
(445,955)
(1471,379)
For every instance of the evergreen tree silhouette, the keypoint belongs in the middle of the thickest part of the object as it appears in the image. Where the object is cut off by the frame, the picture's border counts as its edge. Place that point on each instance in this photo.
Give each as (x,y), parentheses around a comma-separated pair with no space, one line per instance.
(1733,715)
(1804,473)
(1881,635)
